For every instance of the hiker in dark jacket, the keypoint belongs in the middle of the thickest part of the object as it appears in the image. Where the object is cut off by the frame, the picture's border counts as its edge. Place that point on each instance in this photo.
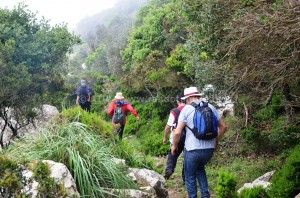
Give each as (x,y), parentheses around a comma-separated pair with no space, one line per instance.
(120,119)
(84,96)
(170,126)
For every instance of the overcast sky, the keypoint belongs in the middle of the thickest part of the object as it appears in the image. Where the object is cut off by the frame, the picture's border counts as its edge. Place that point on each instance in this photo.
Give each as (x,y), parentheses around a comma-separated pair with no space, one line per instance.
(57,11)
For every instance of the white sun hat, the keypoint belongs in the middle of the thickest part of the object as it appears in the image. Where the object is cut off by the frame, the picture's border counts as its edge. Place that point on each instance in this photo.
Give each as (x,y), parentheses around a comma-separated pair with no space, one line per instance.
(191,91)
(119,96)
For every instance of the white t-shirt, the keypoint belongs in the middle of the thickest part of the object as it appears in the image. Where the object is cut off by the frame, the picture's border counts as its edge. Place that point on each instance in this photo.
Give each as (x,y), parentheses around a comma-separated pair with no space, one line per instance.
(171,123)
(191,142)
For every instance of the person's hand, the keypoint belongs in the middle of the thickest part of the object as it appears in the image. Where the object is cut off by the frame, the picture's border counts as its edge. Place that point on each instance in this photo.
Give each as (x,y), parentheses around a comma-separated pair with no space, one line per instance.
(173,149)
(137,118)
(165,140)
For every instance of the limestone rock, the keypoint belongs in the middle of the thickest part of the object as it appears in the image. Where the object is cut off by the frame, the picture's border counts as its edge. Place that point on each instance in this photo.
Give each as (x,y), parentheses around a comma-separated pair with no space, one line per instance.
(260,181)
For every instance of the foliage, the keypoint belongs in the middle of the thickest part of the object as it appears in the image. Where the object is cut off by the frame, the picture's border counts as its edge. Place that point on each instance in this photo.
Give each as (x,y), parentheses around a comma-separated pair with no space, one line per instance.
(11,179)
(159,28)
(264,57)
(31,57)
(149,129)
(14,184)
(85,153)
(255,192)
(226,187)
(92,120)
(48,187)
(125,150)
(285,181)
(268,129)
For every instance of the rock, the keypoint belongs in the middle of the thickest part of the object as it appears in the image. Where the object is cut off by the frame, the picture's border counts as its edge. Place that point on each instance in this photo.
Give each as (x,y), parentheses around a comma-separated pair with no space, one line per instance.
(131,193)
(45,114)
(59,172)
(63,176)
(260,181)
(145,177)
(119,161)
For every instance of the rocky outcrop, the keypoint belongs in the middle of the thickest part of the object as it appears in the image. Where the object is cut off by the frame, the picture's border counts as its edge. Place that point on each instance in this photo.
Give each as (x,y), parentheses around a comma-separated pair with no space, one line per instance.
(149,178)
(61,175)
(261,181)
(44,116)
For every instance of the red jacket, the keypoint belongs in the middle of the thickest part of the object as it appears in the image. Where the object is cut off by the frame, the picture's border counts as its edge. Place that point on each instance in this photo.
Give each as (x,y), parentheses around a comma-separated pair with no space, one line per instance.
(125,107)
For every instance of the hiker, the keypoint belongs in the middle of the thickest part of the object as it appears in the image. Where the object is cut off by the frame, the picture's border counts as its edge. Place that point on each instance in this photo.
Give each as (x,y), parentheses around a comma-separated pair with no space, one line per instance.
(197,152)
(84,96)
(118,109)
(170,127)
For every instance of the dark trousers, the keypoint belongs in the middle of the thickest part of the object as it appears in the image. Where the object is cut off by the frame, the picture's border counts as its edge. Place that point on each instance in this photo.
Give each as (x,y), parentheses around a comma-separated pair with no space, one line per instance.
(120,131)
(172,159)
(86,106)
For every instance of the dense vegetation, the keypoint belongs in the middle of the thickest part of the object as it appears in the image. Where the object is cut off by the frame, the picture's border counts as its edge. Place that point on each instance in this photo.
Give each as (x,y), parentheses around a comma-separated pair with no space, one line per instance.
(247,49)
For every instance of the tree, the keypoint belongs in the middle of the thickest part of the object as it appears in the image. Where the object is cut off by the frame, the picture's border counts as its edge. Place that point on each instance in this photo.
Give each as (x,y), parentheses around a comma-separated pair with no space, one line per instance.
(32,55)
(160,27)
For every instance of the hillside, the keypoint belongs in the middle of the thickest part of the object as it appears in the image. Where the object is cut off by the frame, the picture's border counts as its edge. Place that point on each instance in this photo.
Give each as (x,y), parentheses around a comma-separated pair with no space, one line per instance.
(246,51)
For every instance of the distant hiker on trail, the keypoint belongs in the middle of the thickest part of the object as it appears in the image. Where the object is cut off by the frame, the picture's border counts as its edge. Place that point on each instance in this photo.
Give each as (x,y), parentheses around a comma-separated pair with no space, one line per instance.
(208,125)
(118,109)
(84,96)
(170,127)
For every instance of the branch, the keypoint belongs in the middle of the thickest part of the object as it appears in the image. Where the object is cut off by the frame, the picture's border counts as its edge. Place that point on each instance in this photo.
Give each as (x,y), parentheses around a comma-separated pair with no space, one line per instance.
(246,115)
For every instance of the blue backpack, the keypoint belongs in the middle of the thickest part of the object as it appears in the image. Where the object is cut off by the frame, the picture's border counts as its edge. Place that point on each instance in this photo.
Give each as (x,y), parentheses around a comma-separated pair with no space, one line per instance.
(205,122)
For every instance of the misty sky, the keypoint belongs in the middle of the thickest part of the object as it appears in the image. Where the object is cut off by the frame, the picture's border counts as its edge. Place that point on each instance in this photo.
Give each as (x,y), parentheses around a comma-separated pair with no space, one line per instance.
(57,11)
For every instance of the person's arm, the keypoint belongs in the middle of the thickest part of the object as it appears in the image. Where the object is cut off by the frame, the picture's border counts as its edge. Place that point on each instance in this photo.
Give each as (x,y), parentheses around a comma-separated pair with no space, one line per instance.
(132,110)
(111,109)
(176,136)
(221,128)
(166,133)
(77,100)
(168,127)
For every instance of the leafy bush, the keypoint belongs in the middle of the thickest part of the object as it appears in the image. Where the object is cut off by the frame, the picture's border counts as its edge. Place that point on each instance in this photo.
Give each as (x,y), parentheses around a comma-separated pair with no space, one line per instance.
(286,181)
(11,179)
(90,119)
(226,185)
(255,192)
(149,129)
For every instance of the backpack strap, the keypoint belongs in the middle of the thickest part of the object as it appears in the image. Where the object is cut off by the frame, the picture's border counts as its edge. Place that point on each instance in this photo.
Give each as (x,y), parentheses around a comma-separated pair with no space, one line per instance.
(175,112)
(195,105)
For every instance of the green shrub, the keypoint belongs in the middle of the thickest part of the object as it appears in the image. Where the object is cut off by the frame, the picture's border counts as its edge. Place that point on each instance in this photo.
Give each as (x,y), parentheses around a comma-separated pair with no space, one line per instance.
(286,181)
(255,192)
(150,128)
(48,187)
(271,111)
(11,179)
(93,120)
(226,185)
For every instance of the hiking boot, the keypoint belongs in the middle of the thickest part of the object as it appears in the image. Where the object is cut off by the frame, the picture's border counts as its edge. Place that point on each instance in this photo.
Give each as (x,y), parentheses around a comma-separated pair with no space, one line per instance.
(167,175)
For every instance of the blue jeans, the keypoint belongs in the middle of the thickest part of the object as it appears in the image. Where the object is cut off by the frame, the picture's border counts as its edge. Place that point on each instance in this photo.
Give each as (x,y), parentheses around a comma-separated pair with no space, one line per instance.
(194,162)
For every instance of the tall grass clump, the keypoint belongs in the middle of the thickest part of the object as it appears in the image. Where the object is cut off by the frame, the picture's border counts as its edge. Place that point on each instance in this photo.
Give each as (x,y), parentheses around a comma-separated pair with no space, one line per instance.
(82,151)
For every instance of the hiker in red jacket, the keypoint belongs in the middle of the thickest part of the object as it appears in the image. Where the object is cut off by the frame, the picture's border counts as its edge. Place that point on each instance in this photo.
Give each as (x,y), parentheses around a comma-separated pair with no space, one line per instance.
(118,109)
